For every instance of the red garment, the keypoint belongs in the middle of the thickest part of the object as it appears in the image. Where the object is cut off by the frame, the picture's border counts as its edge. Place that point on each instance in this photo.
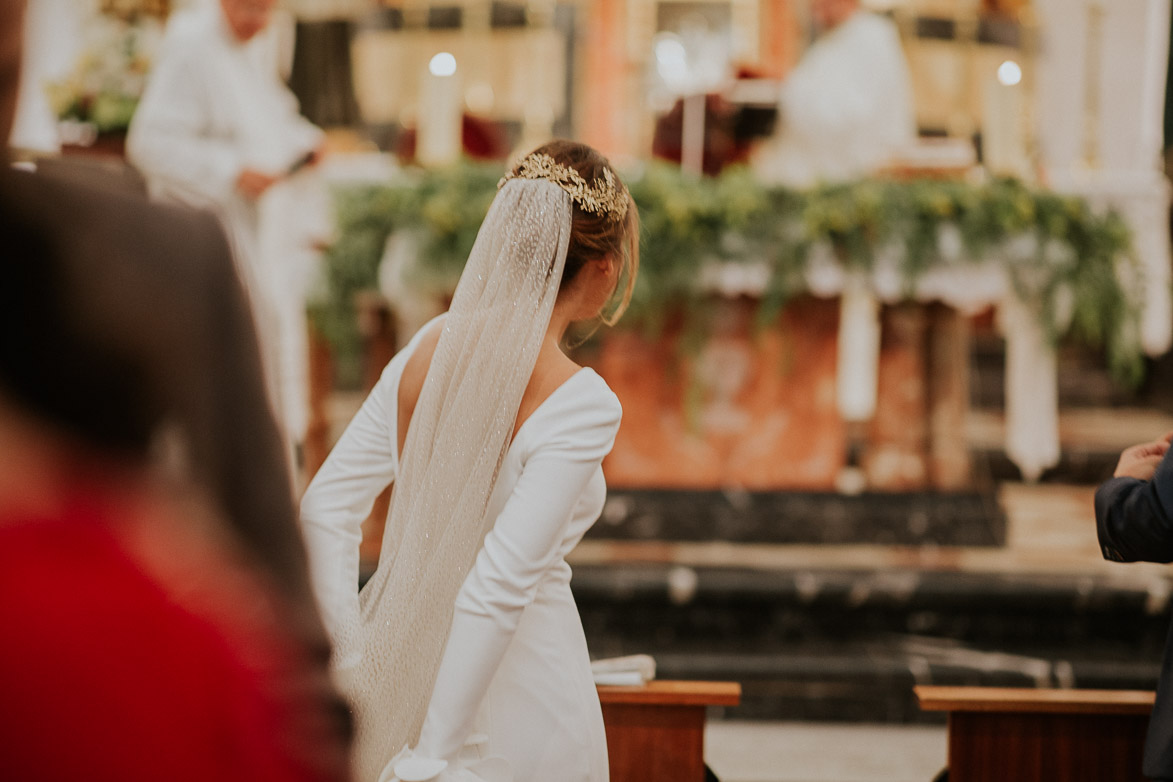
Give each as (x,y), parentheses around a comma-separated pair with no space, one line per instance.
(110,669)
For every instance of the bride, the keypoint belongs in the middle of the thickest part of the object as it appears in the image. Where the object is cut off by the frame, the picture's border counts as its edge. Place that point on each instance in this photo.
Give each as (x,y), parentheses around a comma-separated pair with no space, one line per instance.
(464,656)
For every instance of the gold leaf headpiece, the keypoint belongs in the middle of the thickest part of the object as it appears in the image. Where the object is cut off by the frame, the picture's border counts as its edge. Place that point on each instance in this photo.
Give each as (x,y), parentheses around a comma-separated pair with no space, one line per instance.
(603,198)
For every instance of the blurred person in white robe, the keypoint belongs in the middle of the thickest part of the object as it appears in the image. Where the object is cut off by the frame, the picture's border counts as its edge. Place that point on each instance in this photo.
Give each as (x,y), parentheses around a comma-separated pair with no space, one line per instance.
(846,109)
(217,128)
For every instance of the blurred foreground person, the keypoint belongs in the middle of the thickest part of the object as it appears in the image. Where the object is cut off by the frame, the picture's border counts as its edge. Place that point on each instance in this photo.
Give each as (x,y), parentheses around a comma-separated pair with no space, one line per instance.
(137,646)
(846,108)
(146,636)
(141,642)
(218,129)
(1134,520)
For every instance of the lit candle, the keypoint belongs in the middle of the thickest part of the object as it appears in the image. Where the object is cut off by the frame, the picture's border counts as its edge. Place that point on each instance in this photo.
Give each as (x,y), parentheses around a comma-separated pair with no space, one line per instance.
(438,138)
(1003,129)
(692,134)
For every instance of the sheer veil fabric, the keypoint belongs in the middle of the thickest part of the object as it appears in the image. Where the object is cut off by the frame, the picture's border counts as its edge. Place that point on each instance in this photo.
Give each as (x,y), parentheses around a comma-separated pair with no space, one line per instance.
(459,433)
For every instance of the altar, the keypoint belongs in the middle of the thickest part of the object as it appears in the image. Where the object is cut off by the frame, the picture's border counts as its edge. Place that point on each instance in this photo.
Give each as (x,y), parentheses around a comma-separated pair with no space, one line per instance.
(814,340)
(745,364)
(782,339)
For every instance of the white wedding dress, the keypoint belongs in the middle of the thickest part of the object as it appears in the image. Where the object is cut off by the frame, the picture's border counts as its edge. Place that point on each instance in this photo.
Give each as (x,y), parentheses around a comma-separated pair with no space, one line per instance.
(515,676)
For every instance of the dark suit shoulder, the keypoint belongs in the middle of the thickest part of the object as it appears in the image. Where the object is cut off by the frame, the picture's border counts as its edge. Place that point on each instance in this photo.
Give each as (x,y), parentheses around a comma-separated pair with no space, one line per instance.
(72,197)
(1133,517)
(115,246)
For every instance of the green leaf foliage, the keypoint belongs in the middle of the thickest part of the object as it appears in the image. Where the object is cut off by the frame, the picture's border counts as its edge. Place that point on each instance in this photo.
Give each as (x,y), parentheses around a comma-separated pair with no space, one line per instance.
(1073,265)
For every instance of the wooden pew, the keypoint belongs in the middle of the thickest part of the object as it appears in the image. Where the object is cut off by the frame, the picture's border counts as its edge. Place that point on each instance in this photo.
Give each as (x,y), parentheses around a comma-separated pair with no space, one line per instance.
(999,734)
(656,732)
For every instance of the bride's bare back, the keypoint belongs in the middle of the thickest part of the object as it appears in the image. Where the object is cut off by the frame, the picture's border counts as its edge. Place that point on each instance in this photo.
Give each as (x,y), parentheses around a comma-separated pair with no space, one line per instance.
(551,370)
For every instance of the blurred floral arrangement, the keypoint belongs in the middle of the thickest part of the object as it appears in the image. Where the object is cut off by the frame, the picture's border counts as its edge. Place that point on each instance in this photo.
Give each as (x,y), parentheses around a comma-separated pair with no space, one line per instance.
(132,9)
(102,91)
(1063,258)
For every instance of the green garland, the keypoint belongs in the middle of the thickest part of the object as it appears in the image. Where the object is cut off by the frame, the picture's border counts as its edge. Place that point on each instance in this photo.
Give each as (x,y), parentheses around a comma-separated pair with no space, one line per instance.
(689,223)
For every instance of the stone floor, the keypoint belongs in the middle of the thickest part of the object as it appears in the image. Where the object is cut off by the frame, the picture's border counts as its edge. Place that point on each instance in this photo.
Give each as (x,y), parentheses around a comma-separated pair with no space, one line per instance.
(804,752)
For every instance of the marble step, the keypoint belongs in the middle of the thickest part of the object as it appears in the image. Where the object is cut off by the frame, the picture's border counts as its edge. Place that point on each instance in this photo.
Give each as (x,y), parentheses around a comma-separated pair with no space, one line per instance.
(850,645)
(1091,440)
(962,518)
(874,682)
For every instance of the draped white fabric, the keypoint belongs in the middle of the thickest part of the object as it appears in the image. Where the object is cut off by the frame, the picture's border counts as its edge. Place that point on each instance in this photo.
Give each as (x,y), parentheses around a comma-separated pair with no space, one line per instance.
(460,430)
(1113,109)
(1032,393)
(1032,412)
(858,363)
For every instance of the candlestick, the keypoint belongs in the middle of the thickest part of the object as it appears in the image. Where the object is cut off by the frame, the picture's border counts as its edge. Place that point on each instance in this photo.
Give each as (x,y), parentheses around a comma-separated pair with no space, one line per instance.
(1004,146)
(438,138)
(692,135)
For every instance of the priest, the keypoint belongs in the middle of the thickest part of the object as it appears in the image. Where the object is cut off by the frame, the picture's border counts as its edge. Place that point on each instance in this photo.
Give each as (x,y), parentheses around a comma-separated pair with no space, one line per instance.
(217,128)
(846,109)
(844,112)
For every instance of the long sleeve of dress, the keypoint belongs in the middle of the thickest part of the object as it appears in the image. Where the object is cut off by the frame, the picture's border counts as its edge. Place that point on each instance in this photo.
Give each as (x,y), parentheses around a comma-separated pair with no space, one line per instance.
(517,552)
(340,497)
(1134,518)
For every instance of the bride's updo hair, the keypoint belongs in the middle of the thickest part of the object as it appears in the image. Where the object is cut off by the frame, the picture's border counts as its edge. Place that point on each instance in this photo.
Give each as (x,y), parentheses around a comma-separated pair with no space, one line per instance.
(594,236)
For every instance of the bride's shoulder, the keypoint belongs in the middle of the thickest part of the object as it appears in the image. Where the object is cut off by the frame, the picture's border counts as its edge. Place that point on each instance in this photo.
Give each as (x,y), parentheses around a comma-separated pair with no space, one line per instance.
(579,421)
(597,392)
(584,400)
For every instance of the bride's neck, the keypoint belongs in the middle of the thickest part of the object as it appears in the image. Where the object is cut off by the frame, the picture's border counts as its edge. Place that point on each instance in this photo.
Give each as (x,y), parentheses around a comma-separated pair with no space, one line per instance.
(560,320)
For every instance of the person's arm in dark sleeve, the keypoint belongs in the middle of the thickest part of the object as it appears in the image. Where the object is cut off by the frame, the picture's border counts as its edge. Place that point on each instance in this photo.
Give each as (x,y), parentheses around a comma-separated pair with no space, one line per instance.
(1134,517)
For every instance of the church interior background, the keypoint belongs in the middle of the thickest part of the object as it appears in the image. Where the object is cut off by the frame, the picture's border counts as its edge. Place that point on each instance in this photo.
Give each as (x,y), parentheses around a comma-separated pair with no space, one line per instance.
(826,502)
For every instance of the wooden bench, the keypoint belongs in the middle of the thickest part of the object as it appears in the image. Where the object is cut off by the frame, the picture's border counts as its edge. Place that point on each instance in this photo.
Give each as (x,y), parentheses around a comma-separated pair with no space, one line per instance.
(1001,734)
(656,732)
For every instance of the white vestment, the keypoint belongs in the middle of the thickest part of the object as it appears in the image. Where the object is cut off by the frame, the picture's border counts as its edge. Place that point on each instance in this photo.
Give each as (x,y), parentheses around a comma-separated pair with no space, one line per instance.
(845,110)
(213,107)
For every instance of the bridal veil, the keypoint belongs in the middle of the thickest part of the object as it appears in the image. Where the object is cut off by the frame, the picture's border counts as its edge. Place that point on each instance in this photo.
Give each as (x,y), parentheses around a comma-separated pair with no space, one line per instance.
(459,433)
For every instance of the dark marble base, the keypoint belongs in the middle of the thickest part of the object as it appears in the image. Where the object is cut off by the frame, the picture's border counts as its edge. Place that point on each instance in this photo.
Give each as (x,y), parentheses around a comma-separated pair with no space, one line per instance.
(850,645)
(971,518)
(1080,467)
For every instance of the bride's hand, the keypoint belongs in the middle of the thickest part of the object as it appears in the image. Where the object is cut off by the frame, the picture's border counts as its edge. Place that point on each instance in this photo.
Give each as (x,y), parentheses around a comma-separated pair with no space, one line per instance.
(408,767)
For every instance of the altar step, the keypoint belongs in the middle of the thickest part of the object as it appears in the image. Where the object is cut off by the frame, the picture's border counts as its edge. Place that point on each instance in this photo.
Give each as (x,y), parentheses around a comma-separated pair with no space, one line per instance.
(960,518)
(1090,438)
(849,645)
(1083,379)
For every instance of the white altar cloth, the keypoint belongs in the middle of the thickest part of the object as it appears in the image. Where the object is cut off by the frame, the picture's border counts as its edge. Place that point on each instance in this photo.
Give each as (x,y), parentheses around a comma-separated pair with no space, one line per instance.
(1032,405)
